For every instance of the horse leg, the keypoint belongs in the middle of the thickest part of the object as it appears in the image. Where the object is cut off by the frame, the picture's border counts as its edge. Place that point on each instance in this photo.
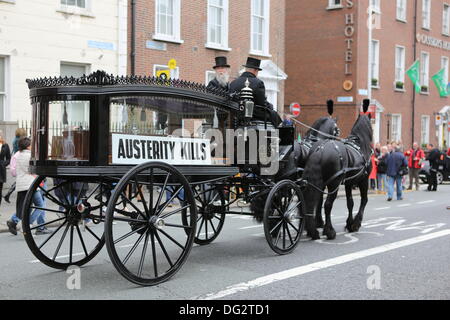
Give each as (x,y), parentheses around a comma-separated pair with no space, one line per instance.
(328,230)
(319,219)
(350,204)
(363,188)
(313,197)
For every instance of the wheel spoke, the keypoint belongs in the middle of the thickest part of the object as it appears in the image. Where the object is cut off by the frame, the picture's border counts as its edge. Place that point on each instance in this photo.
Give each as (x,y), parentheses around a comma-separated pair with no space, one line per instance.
(173,240)
(144,251)
(161,194)
(129,234)
(168,214)
(284,235)
(61,241)
(51,236)
(139,191)
(155,264)
(46,209)
(50,197)
(47,223)
(91,232)
(278,224)
(278,237)
(165,204)
(82,241)
(133,205)
(289,234)
(163,249)
(212,225)
(290,223)
(200,228)
(177,226)
(71,245)
(133,249)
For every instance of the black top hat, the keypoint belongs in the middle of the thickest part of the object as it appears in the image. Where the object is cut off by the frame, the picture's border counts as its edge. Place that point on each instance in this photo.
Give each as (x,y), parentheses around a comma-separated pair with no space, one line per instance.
(253,63)
(221,62)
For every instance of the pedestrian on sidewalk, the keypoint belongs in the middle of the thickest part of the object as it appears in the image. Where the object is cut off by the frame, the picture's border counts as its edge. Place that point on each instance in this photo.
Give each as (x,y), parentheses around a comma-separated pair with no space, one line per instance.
(20,133)
(415,157)
(24,180)
(433,158)
(5,158)
(395,161)
(373,173)
(382,170)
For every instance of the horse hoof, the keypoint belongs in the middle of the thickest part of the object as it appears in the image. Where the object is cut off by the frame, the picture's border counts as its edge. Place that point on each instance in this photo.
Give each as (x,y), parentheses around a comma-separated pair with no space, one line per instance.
(330,233)
(315,235)
(319,224)
(355,227)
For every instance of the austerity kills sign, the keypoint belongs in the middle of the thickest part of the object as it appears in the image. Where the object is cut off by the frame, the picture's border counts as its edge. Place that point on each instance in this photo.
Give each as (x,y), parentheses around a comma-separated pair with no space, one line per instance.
(131,149)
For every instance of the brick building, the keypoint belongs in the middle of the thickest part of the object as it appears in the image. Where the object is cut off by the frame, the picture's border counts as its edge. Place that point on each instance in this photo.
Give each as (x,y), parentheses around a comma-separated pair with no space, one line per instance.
(327,44)
(194,32)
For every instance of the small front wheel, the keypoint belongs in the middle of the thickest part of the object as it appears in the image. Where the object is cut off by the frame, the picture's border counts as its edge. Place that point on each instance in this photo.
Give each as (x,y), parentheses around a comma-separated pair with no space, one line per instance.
(284,217)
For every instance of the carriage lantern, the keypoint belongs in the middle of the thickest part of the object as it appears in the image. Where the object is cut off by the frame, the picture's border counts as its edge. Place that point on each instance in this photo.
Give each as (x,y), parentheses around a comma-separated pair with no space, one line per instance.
(246,96)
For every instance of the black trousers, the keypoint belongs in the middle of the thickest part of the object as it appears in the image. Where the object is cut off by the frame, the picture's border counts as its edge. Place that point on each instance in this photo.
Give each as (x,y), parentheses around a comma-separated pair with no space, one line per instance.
(432,181)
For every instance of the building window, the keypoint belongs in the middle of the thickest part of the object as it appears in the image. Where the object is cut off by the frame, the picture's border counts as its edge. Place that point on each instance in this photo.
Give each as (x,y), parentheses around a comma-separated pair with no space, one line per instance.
(168,21)
(374,64)
(426,8)
(425,129)
(334,4)
(401,10)
(424,69)
(2,88)
(396,131)
(375,5)
(446,20)
(260,27)
(210,75)
(74,3)
(76,111)
(218,24)
(399,67)
(444,65)
(159,69)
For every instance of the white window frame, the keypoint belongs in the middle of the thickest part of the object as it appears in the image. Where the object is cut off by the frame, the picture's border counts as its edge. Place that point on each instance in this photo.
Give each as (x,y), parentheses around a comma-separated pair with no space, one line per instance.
(74,9)
(446,20)
(174,73)
(375,5)
(375,63)
(401,9)
(396,135)
(333,5)
(426,14)
(425,134)
(4,95)
(209,75)
(176,24)
(400,64)
(8,1)
(425,69)
(223,45)
(445,65)
(266,31)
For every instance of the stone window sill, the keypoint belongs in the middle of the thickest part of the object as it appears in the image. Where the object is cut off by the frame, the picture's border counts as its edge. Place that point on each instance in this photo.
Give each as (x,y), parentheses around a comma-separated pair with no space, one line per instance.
(76,11)
(160,37)
(337,7)
(213,46)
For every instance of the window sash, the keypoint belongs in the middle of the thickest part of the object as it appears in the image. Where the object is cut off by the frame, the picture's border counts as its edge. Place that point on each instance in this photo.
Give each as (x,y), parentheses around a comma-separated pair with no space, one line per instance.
(444,65)
(2,75)
(400,64)
(396,127)
(426,4)
(259,26)
(446,20)
(74,3)
(401,9)
(375,59)
(217,23)
(425,129)
(165,17)
(424,72)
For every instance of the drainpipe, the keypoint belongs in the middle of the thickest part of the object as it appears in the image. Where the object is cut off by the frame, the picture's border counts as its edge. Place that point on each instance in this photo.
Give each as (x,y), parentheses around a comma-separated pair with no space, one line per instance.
(414,89)
(133,37)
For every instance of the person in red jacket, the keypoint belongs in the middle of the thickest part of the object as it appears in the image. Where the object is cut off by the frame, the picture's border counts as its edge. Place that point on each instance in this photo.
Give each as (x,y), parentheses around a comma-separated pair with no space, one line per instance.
(448,152)
(415,155)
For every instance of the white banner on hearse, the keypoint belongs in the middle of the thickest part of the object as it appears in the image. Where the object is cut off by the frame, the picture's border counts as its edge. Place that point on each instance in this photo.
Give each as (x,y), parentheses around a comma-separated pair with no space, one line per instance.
(132,149)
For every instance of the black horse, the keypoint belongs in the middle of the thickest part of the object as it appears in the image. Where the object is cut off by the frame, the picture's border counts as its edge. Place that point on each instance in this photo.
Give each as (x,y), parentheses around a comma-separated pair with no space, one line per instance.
(332,162)
(322,128)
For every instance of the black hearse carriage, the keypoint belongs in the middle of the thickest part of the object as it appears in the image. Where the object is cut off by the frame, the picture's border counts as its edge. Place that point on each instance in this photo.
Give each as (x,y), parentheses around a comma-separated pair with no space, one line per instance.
(131,162)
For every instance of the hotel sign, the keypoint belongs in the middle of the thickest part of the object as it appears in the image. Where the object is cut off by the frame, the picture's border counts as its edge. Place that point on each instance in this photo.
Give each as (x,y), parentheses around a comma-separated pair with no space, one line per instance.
(433,42)
(349,32)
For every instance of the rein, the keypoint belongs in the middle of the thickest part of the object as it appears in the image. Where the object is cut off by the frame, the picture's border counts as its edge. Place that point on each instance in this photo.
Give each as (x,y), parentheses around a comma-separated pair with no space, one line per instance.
(318,131)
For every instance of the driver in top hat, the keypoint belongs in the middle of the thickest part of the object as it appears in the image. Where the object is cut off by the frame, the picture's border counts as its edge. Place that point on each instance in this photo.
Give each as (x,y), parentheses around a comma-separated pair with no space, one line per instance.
(222,78)
(252,68)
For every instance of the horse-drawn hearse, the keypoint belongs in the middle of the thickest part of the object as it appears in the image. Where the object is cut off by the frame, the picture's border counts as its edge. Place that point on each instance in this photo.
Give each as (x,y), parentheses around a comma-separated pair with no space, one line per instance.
(151,166)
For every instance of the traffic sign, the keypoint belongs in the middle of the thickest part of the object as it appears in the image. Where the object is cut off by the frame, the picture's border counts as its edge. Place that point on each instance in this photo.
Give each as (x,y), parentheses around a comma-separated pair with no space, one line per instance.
(295,109)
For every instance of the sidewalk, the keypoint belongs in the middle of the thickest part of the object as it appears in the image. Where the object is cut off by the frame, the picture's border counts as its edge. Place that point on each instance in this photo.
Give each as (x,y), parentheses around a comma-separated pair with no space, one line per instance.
(7,209)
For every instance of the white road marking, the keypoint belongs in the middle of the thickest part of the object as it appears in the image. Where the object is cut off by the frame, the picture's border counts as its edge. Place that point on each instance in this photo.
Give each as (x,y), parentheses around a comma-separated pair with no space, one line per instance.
(382,208)
(251,227)
(294,272)
(425,202)
(404,205)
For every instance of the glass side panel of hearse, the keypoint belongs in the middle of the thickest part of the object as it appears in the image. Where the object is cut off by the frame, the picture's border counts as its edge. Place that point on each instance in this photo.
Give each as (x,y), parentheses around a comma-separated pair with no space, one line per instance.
(174,130)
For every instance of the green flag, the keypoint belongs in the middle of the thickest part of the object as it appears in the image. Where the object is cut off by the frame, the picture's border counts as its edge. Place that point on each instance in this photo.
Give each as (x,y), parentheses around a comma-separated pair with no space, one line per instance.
(440,83)
(299,138)
(414,74)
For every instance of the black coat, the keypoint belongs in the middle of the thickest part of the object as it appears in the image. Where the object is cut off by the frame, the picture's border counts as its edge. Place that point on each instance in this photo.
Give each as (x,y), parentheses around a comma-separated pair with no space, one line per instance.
(257,85)
(5,158)
(433,157)
(213,84)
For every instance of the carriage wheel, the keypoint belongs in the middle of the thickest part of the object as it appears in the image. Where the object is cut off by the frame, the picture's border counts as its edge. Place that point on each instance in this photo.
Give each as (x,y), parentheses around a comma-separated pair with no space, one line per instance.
(156,216)
(211,213)
(71,234)
(284,217)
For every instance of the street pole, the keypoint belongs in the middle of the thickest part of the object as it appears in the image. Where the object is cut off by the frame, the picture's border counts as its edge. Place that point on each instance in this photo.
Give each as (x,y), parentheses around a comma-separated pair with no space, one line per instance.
(414,89)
